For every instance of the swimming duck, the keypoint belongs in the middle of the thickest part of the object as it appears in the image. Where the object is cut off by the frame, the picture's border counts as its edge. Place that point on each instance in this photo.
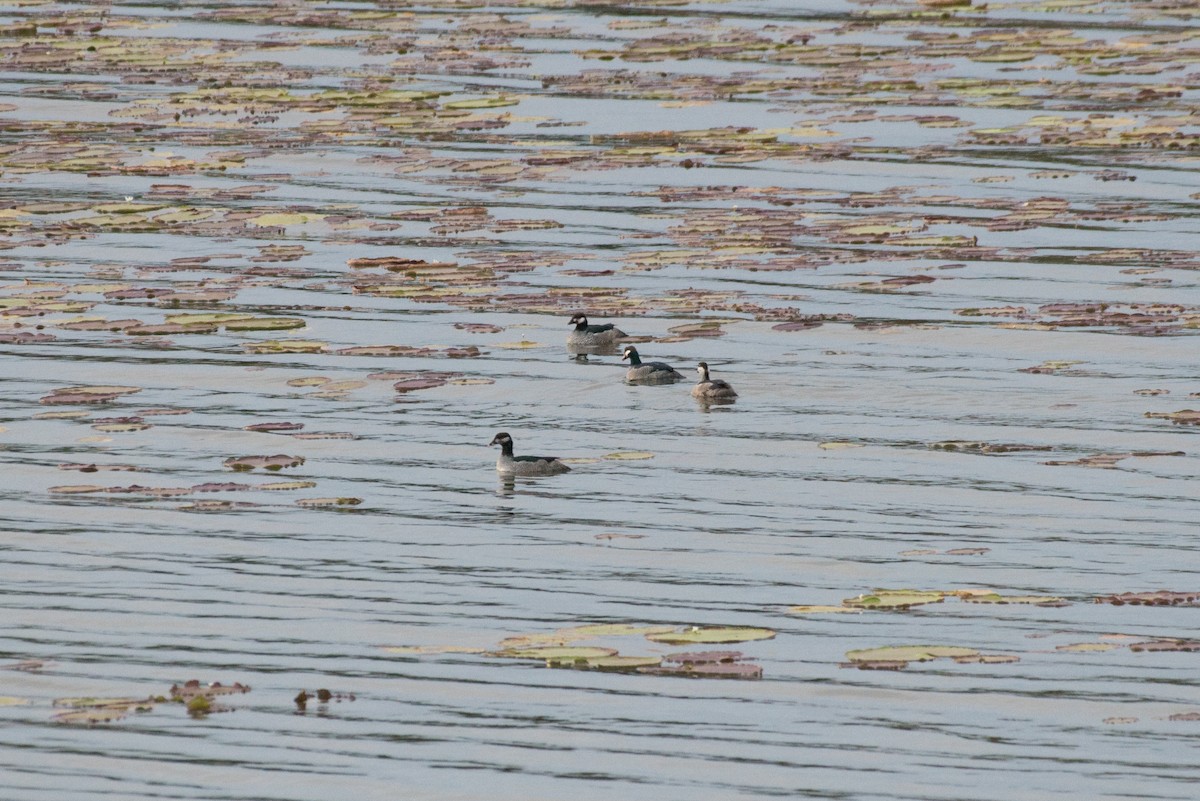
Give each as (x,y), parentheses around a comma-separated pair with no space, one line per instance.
(510,465)
(648,372)
(593,336)
(711,388)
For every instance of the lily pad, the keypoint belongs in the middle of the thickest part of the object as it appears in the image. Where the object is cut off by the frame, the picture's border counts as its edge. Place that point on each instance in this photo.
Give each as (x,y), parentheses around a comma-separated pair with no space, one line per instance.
(707,670)
(286,346)
(91,711)
(821,610)
(996,598)
(712,635)
(285,486)
(910,653)
(895,599)
(265,324)
(1166,645)
(274,463)
(1156,598)
(321,503)
(557,653)
(608,663)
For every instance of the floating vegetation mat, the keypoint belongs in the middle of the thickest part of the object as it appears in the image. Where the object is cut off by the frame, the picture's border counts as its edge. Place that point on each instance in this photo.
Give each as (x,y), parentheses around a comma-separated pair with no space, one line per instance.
(273,274)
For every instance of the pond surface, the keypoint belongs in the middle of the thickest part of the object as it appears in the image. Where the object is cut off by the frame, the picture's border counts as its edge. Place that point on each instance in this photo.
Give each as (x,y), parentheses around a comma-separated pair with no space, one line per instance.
(946,255)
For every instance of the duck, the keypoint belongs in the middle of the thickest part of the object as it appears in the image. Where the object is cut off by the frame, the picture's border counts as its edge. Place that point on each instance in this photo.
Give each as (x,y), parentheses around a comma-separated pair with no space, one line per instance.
(711,388)
(510,465)
(648,372)
(593,336)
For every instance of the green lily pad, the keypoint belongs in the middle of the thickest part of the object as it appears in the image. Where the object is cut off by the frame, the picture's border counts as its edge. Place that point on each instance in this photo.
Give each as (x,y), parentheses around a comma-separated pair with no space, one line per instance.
(612,663)
(910,653)
(895,599)
(283,219)
(821,610)
(264,324)
(557,653)
(712,635)
(996,598)
(495,101)
(287,346)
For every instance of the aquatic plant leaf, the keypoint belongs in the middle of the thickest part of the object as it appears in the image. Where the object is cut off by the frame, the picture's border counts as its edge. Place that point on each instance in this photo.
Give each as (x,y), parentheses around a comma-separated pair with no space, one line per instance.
(492,101)
(627,456)
(414,384)
(895,599)
(276,462)
(877,664)
(608,663)
(1110,460)
(286,346)
(1087,647)
(987,659)
(206,320)
(1184,417)
(820,610)
(285,486)
(910,653)
(1188,716)
(91,711)
(271,427)
(192,688)
(996,598)
(593,630)
(1166,645)
(320,503)
(87,395)
(216,506)
(265,324)
(557,653)
(703,657)
(283,219)
(1156,598)
(168,329)
(707,670)
(121,428)
(985,447)
(712,635)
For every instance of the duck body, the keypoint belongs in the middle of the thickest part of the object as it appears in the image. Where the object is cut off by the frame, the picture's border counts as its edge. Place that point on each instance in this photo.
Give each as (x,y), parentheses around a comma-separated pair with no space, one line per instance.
(641,372)
(711,389)
(585,335)
(509,465)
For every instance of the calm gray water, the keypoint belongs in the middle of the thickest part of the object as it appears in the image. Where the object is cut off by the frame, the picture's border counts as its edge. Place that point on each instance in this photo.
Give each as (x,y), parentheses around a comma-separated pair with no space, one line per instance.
(881,171)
